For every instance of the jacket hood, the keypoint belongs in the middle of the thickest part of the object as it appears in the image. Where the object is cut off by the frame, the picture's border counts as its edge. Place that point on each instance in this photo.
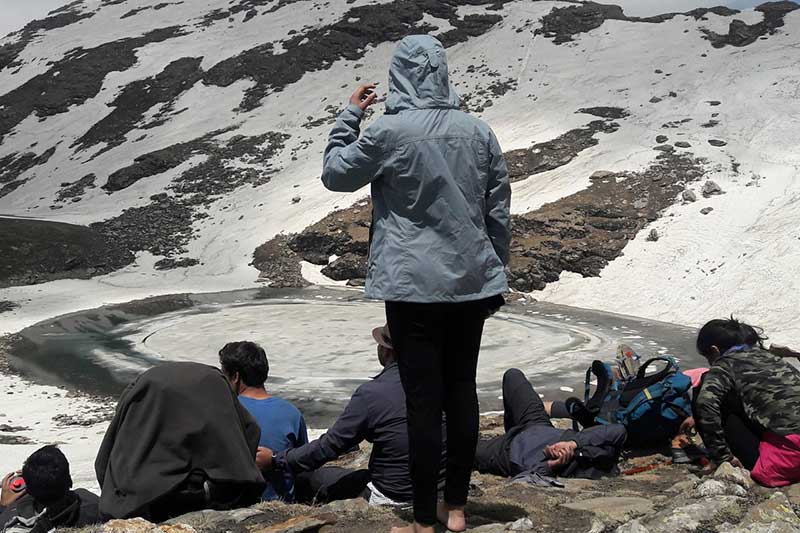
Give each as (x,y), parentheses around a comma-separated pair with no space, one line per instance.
(418,76)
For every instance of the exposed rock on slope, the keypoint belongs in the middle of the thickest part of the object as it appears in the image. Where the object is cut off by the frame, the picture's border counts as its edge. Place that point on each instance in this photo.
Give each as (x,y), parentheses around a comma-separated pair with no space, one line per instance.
(741,34)
(35,251)
(580,233)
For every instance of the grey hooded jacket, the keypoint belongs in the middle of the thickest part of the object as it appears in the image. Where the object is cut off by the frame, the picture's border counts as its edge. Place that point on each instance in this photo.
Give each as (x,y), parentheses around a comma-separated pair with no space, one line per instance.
(440,188)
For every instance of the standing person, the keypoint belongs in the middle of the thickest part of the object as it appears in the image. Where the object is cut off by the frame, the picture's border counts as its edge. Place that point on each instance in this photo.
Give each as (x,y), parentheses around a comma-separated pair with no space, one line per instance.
(748,407)
(282,425)
(440,240)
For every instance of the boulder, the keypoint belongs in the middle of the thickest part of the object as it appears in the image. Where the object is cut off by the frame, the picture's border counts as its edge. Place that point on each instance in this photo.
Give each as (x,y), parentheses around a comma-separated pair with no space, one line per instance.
(618,509)
(632,527)
(140,525)
(777,509)
(683,144)
(653,236)
(298,524)
(710,188)
(601,174)
(688,196)
(715,487)
(661,139)
(728,472)
(690,518)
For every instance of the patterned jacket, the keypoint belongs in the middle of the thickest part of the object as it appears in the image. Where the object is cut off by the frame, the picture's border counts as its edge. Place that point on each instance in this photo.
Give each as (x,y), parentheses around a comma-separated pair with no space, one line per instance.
(759,387)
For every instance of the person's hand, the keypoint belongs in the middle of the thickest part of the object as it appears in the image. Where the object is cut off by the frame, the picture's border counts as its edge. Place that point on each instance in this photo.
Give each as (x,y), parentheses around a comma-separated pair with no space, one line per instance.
(688,426)
(8,496)
(364,96)
(264,458)
(737,463)
(783,351)
(560,454)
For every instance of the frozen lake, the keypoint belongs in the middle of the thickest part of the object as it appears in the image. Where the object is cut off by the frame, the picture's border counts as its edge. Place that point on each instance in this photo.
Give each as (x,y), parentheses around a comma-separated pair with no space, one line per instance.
(319,343)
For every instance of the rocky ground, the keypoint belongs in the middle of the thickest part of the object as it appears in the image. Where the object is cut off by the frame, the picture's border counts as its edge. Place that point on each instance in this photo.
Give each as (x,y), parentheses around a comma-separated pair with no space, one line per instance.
(654,497)
(580,233)
(37,251)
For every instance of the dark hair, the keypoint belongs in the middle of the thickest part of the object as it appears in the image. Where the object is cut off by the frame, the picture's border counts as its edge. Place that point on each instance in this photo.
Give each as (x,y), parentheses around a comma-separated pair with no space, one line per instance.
(246,358)
(727,333)
(46,475)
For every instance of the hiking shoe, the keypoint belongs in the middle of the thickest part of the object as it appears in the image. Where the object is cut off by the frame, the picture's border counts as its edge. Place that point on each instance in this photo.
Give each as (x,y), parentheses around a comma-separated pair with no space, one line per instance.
(680,457)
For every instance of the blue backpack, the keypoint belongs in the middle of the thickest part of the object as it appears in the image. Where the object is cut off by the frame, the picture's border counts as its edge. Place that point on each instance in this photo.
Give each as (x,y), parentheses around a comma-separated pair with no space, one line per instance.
(651,408)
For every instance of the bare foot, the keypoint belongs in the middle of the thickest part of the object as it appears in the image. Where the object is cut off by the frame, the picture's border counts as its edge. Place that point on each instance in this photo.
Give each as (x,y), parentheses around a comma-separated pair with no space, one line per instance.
(452,517)
(414,528)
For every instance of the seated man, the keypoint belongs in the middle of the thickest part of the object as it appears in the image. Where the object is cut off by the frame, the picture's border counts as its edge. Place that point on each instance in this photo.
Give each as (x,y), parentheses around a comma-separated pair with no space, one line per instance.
(179,442)
(376,413)
(47,501)
(282,426)
(748,408)
(532,445)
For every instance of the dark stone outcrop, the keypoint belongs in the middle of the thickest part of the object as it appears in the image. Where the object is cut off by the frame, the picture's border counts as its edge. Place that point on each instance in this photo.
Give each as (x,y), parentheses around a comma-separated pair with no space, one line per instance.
(74,191)
(550,155)
(742,34)
(137,98)
(36,251)
(580,233)
(73,79)
(14,165)
(349,38)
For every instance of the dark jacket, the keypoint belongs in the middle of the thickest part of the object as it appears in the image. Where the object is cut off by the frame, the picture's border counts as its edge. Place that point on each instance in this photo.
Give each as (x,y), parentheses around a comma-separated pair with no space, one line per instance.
(175,422)
(78,508)
(597,454)
(376,413)
(759,387)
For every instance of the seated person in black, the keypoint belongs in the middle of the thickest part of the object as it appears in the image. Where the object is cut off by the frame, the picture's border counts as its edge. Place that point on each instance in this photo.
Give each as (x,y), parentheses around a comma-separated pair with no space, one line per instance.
(532,445)
(47,501)
(376,413)
(179,441)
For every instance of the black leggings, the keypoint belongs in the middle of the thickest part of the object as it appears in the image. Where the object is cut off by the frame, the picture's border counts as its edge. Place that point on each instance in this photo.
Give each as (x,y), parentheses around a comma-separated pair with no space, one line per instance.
(742,441)
(437,347)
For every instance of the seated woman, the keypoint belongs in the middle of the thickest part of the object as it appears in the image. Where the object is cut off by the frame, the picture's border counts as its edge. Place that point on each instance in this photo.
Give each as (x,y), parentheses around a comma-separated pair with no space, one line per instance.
(180,441)
(748,407)
(532,445)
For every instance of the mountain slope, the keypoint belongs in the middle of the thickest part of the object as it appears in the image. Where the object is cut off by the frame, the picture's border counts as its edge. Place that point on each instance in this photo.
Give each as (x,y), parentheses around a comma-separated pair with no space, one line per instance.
(191,132)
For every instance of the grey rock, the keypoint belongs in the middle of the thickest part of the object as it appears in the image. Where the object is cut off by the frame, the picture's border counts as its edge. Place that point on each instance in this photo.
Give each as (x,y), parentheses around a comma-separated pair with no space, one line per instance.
(715,487)
(682,487)
(632,527)
(710,188)
(683,144)
(716,142)
(728,472)
(653,236)
(601,174)
(489,528)
(523,524)
(706,210)
(655,100)
(296,200)
(690,518)
(688,196)
(661,139)
(664,148)
(618,509)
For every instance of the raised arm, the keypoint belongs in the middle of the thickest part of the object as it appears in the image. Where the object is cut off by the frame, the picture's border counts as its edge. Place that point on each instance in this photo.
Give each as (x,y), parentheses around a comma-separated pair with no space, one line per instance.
(498,202)
(351,161)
